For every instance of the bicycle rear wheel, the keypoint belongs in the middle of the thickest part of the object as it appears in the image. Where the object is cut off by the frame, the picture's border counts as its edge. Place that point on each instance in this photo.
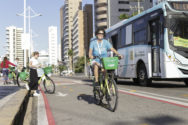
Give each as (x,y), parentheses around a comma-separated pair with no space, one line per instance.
(49,85)
(112,95)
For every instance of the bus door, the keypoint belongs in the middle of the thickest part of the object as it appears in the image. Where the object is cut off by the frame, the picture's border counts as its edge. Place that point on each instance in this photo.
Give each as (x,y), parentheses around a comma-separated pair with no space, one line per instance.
(155,47)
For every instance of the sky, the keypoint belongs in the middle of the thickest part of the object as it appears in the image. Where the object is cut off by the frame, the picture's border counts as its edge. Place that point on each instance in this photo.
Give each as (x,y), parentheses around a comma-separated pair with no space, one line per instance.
(50,10)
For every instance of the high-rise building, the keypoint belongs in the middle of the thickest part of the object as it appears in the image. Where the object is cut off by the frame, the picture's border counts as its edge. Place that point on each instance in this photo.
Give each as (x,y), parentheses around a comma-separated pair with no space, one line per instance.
(82,32)
(107,12)
(88,24)
(52,37)
(78,37)
(68,10)
(59,52)
(14,44)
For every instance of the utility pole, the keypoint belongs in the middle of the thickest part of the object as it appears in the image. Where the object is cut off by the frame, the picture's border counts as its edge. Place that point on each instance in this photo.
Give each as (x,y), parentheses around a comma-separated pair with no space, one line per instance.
(138,7)
(25,56)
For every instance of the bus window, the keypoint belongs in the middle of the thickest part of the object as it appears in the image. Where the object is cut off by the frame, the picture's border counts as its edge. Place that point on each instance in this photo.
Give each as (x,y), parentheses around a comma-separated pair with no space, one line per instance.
(128,34)
(114,39)
(122,37)
(140,36)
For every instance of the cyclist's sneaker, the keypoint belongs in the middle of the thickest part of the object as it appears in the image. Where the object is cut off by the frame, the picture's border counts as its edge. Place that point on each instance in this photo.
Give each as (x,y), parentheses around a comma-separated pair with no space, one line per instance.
(27,86)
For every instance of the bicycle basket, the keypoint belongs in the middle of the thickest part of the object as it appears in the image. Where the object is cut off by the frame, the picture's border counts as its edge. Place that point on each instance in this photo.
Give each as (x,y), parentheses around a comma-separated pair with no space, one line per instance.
(47,70)
(10,76)
(23,75)
(12,69)
(110,63)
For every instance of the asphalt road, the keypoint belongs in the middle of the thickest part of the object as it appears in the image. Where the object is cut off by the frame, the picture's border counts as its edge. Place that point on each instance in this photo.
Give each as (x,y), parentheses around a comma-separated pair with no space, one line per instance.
(163,103)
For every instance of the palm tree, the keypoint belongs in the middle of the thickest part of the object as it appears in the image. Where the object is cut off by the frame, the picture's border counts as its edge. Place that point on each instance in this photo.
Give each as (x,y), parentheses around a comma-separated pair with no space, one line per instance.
(70,54)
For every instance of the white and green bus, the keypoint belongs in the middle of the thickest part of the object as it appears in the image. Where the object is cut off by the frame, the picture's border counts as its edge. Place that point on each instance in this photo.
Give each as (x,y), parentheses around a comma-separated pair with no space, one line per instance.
(154,43)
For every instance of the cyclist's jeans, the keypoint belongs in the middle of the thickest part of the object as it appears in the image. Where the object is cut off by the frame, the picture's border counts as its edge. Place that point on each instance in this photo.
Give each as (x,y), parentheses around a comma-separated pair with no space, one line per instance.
(5,73)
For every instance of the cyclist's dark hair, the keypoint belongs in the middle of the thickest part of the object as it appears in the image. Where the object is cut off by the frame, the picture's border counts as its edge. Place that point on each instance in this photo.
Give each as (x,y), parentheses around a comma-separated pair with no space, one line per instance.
(4,60)
(99,29)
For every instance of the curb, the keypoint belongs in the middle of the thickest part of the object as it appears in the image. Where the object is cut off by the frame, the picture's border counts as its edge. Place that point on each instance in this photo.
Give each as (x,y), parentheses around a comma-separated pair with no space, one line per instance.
(12,113)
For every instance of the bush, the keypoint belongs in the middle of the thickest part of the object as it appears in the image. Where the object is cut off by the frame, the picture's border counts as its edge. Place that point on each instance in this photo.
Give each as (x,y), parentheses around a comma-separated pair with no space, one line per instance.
(79,65)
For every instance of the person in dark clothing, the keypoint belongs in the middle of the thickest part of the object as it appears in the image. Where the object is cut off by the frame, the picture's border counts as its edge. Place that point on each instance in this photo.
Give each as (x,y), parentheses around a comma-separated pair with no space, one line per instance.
(34,64)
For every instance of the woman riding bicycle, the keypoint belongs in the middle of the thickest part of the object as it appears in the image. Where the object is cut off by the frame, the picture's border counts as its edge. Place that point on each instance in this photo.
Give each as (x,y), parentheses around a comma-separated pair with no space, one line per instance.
(5,65)
(99,47)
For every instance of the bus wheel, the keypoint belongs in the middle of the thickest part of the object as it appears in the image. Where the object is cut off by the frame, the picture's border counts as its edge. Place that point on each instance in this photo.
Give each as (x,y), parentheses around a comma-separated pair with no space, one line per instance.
(142,76)
(186,82)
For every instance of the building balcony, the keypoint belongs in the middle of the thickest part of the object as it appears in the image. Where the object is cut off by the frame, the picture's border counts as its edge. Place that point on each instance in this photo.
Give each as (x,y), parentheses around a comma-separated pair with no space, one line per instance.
(98,10)
(101,16)
(101,24)
(101,1)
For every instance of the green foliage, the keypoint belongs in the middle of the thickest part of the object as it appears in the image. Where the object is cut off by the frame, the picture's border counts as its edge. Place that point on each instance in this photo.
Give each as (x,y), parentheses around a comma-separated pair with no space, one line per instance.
(70,53)
(79,65)
(62,68)
(126,16)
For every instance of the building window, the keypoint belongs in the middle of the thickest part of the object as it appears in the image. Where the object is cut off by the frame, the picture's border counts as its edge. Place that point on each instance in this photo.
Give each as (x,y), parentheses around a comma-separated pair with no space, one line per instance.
(123,10)
(123,2)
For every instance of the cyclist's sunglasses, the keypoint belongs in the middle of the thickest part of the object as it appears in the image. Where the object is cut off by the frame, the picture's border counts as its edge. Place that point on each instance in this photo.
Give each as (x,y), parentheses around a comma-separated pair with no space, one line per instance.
(100,33)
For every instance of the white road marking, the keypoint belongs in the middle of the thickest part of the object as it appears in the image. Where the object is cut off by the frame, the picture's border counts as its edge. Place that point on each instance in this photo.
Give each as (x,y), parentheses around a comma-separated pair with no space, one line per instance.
(154,94)
(61,94)
(42,118)
(162,98)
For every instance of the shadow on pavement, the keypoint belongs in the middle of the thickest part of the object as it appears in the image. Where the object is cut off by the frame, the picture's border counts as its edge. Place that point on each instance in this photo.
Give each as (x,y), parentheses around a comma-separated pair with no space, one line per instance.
(87,98)
(90,99)
(7,90)
(163,120)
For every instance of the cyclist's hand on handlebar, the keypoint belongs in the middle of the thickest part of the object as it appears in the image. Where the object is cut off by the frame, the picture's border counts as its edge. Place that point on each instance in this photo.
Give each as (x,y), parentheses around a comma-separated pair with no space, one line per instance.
(91,57)
(120,56)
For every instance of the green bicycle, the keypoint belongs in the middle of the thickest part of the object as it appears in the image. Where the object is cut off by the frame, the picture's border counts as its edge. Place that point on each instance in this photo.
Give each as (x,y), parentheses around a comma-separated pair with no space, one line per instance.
(12,75)
(23,77)
(48,83)
(108,87)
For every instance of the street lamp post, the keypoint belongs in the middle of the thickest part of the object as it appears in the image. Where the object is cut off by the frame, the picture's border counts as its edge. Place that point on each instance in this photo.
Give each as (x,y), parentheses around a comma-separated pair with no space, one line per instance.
(29,9)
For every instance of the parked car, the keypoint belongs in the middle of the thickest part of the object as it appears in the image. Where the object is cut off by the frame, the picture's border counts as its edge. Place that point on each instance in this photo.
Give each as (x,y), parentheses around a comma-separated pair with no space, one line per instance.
(67,73)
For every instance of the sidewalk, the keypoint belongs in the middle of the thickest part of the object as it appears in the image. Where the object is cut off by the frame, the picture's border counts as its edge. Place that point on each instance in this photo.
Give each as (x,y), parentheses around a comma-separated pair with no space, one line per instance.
(77,76)
(12,99)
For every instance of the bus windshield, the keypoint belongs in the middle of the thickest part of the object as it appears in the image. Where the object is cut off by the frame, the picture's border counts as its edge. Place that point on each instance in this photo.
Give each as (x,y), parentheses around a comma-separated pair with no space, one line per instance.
(178,31)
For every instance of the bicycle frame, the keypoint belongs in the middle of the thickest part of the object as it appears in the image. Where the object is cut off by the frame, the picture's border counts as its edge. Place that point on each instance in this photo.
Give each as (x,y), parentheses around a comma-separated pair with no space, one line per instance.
(43,77)
(105,86)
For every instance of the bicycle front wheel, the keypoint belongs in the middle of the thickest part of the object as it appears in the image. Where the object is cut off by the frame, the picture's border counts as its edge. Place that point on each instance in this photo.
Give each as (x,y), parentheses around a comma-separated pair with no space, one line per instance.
(49,85)
(112,95)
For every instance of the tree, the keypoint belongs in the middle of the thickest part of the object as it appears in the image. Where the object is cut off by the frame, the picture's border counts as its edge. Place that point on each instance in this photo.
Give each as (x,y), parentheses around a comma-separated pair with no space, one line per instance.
(123,16)
(70,54)
(126,16)
(62,68)
(79,65)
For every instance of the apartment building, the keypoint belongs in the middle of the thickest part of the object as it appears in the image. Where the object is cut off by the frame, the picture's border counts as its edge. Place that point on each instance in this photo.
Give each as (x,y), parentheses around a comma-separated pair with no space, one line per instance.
(68,11)
(52,37)
(107,12)
(14,44)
